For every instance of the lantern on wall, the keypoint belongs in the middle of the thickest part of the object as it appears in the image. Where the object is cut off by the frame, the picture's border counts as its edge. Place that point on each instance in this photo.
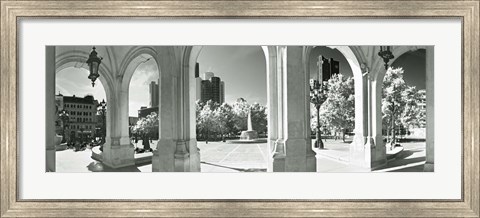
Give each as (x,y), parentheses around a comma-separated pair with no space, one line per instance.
(386,54)
(93,64)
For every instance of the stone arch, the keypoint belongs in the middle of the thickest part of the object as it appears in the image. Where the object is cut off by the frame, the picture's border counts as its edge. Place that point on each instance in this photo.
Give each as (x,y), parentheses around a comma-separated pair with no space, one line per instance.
(132,60)
(71,59)
(355,60)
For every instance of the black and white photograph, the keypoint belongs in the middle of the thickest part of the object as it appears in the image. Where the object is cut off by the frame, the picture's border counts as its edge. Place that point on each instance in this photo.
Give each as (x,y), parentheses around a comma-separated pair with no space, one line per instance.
(227,109)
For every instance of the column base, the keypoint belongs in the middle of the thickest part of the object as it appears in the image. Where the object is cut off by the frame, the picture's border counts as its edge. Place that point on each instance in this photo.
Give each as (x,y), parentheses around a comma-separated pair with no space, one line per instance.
(118,155)
(50,160)
(276,160)
(182,157)
(163,159)
(429,167)
(194,155)
(368,155)
(299,156)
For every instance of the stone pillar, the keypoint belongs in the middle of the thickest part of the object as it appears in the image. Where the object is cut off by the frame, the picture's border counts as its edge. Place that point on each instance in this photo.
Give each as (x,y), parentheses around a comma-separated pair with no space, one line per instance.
(295,105)
(359,154)
(164,157)
(117,150)
(430,81)
(172,152)
(50,115)
(379,153)
(190,93)
(274,56)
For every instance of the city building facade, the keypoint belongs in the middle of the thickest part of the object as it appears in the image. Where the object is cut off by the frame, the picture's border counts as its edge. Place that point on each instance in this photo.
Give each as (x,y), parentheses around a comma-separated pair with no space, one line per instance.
(82,114)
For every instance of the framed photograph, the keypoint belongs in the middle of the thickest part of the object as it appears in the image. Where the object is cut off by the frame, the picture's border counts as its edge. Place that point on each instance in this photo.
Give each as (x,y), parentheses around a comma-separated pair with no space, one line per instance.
(239,108)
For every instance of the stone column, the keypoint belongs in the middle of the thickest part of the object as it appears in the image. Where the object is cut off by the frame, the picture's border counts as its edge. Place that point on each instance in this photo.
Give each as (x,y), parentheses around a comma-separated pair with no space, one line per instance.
(274,56)
(171,154)
(50,115)
(117,150)
(163,158)
(359,154)
(299,156)
(379,153)
(430,82)
(189,120)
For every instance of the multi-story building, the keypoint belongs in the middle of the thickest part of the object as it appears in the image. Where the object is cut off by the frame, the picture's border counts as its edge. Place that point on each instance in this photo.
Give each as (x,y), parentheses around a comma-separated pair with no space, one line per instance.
(153,88)
(211,88)
(82,113)
(327,68)
(145,111)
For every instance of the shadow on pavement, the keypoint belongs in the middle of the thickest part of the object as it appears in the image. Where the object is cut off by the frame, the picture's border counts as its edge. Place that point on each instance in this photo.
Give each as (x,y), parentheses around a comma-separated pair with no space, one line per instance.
(401,162)
(238,169)
(418,168)
(99,167)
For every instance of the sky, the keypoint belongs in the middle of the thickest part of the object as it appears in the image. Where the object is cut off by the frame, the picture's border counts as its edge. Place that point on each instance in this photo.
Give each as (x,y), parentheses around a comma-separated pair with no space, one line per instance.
(242,68)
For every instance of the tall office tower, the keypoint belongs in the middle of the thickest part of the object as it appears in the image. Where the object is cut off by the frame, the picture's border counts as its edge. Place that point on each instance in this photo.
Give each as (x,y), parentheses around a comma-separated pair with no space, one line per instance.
(215,86)
(198,88)
(205,91)
(334,67)
(326,68)
(197,70)
(208,75)
(211,89)
(222,92)
(153,94)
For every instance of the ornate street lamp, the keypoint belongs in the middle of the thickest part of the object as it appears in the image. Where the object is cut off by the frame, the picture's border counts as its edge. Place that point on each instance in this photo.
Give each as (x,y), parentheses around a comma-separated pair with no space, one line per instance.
(386,55)
(64,116)
(102,110)
(93,64)
(318,95)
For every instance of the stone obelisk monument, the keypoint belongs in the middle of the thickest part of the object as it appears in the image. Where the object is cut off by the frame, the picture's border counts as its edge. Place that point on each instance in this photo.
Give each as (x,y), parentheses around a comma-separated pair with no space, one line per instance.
(249,134)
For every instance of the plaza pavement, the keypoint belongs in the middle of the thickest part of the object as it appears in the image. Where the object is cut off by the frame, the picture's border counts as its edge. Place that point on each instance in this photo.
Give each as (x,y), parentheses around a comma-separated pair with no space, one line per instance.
(226,157)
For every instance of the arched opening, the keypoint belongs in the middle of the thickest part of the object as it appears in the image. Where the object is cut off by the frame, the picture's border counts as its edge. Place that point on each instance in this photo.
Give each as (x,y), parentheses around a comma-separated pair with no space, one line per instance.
(337,112)
(338,103)
(143,103)
(230,119)
(404,109)
(81,120)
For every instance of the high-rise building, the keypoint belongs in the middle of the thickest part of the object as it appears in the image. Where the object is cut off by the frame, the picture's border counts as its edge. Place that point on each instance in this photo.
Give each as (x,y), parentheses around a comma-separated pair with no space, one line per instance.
(82,116)
(222,91)
(327,68)
(153,87)
(212,88)
(197,70)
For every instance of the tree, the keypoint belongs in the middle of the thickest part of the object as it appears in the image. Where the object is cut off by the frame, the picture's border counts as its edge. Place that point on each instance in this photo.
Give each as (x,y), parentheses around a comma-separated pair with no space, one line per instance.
(207,122)
(223,116)
(240,110)
(259,117)
(146,128)
(338,111)
(396,97)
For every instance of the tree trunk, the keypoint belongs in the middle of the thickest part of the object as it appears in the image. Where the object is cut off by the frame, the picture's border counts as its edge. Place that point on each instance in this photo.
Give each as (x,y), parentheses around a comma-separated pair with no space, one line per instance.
(146,143)
(206,137)
(343,135)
